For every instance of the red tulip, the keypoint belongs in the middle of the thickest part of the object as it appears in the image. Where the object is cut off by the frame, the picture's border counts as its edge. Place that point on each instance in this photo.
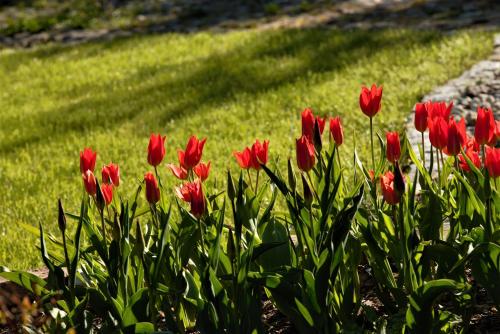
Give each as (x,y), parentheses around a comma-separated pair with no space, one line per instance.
(308,121)
(89,182)
(485,126)
(259,152)
(336,130)
(305,154)
(152,190)
(193,194)
(390,195)
(111,174)
(473,157)
(107,193)
(438,132)
(456,136)
(393,148)
(87,160)
(202,171)
(492,161)
(370,100)
(156,149)
(421,113)
(439,109)
(192,155)
(244,158)
(179,172)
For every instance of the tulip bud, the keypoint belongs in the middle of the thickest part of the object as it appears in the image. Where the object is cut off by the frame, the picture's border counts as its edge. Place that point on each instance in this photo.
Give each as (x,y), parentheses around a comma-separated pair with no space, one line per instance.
(308,196)
(152,190)
(292,181)
(399,181)
(87,160)
(318,145)
(62,218)
(421,116)
(393,148)
(456,136)
(231,249)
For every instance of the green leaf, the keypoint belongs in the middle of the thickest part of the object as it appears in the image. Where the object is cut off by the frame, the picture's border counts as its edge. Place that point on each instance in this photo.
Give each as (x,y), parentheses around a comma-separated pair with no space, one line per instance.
(137,309)
(305,313)
(27,280)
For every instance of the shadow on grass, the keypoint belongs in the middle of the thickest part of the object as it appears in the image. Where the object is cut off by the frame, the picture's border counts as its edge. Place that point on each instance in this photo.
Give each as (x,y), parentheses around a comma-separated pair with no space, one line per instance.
(263,64)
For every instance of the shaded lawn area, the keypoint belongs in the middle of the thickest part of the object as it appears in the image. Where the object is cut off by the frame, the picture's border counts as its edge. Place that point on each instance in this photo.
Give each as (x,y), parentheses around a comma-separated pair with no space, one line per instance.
(231,88)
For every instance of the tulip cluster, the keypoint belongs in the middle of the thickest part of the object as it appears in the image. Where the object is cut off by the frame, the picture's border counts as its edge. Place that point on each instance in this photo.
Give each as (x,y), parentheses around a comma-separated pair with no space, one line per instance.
(448,136)
(110,176)
(309,144)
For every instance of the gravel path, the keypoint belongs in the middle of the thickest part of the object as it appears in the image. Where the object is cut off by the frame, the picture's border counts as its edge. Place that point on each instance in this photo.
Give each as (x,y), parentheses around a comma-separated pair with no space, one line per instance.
(224,15)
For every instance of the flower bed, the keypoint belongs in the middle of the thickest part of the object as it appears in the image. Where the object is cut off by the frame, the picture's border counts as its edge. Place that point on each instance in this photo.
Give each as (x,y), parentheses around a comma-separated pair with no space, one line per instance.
(133,263)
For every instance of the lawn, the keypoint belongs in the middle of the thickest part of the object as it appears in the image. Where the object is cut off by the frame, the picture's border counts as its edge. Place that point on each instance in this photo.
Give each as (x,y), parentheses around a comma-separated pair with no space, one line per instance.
(231,88)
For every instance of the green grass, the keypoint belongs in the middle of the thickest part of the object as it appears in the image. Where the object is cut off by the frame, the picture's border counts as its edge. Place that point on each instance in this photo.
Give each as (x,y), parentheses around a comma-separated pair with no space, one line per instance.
(231,88)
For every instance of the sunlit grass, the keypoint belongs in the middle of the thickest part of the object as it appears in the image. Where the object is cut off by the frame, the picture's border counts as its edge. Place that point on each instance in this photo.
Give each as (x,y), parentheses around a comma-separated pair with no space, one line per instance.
(231,88)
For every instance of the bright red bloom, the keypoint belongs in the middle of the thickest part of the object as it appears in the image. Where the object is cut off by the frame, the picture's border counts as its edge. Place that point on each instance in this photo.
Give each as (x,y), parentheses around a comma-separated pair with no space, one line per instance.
(438,132)
(156,149)
(473,157)
(308,121)
(179,172)
(305,154)
(492,161)
(421,114)
(193,194)
(89,182)
(485,126)
(457,136)
(336,130)
(439,109)
(107,193)
(202,171)
(87,160)
(496,135)
(370,100)
(391,196)
(192,155)
(259,153)
(393,148)
(152,190)
(244,158)
(111,174)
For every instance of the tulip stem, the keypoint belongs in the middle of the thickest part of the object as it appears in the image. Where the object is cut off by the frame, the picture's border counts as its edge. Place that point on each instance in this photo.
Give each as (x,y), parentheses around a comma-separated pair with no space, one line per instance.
(439,169)
(371,142)
(103,226)
(423,149)
(483,153)
(257,182)
(340,167)
(250,179)
(202,237)
(312,186)
(158,177)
